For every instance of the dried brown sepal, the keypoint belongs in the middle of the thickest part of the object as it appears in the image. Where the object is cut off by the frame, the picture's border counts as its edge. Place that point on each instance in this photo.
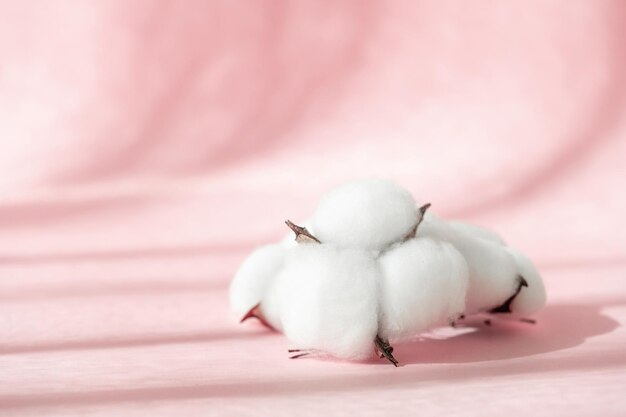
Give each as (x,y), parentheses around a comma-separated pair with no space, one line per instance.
(302,234)
(506,306)
(422,211)
(257,314)
(413,232)
(384,350)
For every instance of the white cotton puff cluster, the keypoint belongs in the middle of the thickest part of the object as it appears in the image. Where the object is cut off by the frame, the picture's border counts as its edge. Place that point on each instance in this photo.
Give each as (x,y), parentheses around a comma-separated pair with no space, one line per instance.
(372,277)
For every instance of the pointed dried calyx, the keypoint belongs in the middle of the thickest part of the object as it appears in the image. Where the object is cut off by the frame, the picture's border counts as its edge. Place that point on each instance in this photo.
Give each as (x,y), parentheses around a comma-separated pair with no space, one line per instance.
(302,234)
(506,306)
(413,232)
(385,350)
(257,314)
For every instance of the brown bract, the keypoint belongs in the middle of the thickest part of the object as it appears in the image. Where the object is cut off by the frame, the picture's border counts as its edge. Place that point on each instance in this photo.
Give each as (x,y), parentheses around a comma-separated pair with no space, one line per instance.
(413,232)
(302,234)
(257,314)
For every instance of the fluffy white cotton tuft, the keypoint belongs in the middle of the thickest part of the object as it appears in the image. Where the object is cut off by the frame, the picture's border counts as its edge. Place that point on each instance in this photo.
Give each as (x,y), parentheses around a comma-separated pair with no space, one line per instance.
(329,300)
(423,285)
(473,230)
(493,275)
(366,214)
(253,282)
(532,298)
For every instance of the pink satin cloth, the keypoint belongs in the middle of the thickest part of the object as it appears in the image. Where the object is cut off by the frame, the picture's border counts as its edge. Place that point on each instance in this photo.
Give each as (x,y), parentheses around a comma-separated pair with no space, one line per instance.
(147,146)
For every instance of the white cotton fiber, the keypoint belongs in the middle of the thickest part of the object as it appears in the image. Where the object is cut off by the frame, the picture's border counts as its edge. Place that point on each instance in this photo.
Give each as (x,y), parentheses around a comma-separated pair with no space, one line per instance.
(476,231)
(253,281)
(366,214)
(270,304)
(329,300)
(423,285)
(493,275)
(533,297)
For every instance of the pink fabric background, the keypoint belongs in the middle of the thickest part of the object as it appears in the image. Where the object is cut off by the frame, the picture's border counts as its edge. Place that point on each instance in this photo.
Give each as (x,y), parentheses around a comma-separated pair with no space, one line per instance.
(147,146)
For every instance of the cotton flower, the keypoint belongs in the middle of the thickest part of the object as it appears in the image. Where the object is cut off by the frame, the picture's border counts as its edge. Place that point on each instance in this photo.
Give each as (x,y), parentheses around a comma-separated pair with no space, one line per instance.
(371,268)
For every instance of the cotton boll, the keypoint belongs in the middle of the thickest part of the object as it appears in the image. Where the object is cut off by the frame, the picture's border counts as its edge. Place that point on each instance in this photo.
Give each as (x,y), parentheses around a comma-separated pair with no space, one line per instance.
(424,283)
(254,279)
(531,298)
(476,231)
(493,275)
(367,214)
(329,300)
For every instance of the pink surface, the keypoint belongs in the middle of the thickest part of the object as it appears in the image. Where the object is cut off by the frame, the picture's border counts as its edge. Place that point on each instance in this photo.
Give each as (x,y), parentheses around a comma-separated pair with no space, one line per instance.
(146,147)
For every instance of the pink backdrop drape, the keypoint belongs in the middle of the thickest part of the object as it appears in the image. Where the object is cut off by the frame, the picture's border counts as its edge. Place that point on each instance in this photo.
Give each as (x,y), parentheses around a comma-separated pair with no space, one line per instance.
(146,146)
